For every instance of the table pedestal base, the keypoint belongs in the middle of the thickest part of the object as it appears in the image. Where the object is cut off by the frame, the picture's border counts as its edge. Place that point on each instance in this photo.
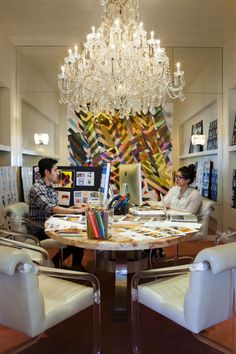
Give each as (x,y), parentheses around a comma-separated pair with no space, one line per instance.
(121,263)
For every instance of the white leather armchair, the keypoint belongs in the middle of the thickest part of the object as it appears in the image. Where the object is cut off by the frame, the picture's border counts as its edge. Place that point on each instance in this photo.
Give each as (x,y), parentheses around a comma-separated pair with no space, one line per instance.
(42,300)
(37,254)
(204,213)
(15,218)
(194,296)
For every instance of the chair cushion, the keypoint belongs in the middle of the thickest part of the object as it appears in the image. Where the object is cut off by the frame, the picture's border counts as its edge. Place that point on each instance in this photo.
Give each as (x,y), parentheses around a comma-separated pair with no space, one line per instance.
(63,299)
(159,296)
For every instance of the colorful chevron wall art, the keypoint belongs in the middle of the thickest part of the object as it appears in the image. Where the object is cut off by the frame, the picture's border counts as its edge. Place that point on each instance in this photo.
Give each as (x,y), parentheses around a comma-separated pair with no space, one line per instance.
(141,138)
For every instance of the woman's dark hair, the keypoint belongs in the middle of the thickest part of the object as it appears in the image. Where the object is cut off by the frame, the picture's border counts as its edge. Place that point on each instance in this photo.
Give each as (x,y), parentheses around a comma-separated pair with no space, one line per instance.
(188,172)
(46,164)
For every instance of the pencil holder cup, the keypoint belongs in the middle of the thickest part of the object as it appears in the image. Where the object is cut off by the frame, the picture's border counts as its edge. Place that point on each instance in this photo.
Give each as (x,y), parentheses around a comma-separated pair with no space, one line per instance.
(99,222)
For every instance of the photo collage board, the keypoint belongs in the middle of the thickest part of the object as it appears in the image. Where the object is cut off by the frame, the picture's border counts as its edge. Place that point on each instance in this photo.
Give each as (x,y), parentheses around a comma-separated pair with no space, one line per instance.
(76,184)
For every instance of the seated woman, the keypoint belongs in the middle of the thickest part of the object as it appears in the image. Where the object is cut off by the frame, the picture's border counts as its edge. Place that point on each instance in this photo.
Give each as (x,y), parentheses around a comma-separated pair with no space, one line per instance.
(183,197)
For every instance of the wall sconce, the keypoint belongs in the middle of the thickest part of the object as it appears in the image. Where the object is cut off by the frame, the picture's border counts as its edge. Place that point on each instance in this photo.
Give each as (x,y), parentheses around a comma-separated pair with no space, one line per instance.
(41,139)
(198,139)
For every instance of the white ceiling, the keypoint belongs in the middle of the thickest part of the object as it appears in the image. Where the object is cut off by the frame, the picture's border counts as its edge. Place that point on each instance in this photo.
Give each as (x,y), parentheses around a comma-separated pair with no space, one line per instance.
(63,23)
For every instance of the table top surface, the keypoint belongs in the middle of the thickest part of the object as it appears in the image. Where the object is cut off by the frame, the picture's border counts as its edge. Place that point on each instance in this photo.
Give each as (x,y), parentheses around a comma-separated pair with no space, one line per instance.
(134,234)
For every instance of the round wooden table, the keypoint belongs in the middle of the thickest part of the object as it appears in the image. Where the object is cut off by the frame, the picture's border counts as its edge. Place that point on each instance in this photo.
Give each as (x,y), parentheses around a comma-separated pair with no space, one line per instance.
(118,241)
(118,257)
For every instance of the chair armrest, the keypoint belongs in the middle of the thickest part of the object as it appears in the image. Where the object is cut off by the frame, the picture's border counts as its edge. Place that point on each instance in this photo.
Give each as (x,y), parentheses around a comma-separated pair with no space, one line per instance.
(225,237)
(70,274)
(21,245)
(10,233)
(30,222)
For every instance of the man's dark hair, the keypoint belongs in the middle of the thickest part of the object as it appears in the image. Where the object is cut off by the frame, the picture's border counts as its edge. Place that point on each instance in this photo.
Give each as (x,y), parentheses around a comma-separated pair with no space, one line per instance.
(46,164)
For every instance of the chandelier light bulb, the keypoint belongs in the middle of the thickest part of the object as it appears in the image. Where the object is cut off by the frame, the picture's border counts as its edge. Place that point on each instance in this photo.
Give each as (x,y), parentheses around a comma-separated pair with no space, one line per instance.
(119,69)
(178,68)
(117,22)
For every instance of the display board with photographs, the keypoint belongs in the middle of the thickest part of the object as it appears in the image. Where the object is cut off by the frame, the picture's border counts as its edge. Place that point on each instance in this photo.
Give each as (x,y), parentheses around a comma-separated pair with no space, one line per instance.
(79,184)
(206,180)
(212,141)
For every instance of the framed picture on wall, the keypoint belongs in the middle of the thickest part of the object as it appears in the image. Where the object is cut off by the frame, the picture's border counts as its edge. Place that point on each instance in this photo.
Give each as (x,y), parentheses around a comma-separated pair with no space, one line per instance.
(198,130)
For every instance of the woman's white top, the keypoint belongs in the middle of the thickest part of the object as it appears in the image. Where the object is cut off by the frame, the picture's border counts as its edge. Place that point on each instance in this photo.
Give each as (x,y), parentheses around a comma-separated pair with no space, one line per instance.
(190,201)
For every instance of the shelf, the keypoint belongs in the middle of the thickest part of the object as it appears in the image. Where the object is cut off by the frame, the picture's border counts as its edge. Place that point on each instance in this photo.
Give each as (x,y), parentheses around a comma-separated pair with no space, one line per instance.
(5,148)
(38,153)
(232,148)
(198,154)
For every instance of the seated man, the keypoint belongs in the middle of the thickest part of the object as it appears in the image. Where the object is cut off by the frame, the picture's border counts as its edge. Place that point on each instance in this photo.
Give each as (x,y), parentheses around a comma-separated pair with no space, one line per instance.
(43,203)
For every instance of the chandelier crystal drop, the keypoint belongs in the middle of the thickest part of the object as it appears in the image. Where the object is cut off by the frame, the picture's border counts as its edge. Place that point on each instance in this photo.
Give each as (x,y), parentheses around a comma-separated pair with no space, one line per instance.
(120,68)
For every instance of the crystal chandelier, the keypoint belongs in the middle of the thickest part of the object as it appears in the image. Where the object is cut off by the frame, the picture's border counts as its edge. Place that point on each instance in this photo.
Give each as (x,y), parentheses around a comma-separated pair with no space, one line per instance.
(120,68)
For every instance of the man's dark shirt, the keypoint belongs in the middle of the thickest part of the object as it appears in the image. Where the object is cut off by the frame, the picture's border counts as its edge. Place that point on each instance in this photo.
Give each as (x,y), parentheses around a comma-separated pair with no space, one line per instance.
(42,200)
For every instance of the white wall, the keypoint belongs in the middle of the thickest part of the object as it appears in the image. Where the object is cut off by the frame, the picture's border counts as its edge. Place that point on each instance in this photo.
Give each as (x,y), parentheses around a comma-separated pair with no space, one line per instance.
(35,90)
(229,111)
(27,105)
(10,124)
(203,102)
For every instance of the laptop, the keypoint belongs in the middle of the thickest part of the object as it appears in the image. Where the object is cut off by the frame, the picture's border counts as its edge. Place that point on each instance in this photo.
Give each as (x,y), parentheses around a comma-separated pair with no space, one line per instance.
(178,216)
(182,218)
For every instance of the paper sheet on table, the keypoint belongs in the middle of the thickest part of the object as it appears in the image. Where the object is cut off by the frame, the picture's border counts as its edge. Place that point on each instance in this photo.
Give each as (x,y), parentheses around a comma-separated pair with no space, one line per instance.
(166,223)
(136,235)
(148,212)
(59,224)
(139,236)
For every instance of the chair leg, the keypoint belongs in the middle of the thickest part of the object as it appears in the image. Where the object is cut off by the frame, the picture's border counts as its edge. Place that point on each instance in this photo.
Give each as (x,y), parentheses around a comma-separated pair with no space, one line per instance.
(177,258)
(150,259)
(135,317)
(24,346)
(61,257)
(96,318)
(95,261)
(212,344)
(234,334)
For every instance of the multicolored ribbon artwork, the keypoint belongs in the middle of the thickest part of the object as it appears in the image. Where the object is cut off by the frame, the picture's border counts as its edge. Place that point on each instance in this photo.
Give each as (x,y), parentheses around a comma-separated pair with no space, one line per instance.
(141,138)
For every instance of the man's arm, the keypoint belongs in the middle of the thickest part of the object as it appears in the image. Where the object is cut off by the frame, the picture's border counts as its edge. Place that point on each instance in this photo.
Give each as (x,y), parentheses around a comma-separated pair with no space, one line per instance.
(71,210)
